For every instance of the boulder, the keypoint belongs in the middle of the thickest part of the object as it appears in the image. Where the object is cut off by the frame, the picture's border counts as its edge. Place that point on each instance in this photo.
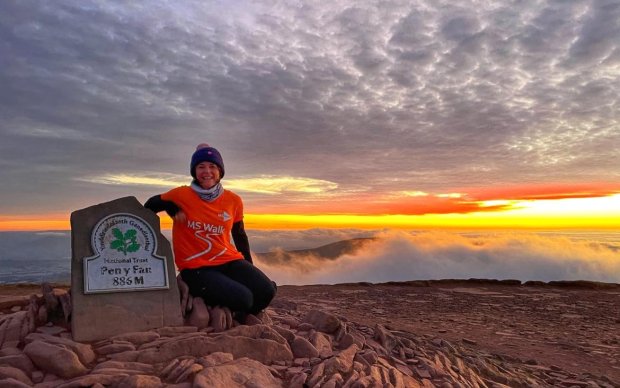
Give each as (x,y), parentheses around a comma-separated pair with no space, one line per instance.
(264,317)
(140,381)
(216,358)
(287,334)
(343,362)
(349,339)
(302,348)
(13,383)
(10,351)
(322,343)
(54,358)
(185,372)
(298,380)
(251,320)
(84,351)
(322,321)
(263,350)
(335,381)
(291,322)
(258,332)
(146,369)
(19,361)
(8,301)
(241,373)
(180,370)
(9,372)
(92,380)
(317,375)
(11,329)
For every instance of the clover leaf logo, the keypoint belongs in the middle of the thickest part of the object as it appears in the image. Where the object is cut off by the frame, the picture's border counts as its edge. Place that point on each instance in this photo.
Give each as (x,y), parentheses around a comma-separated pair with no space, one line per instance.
(125,242)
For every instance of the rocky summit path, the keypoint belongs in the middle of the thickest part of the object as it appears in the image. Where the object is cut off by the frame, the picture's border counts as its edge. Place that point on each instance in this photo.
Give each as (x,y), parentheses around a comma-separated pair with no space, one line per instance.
(414,334)
(574,326)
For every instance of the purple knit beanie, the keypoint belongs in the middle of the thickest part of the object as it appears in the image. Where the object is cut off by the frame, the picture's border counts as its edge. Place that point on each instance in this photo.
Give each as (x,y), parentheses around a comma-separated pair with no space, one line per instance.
(206,153)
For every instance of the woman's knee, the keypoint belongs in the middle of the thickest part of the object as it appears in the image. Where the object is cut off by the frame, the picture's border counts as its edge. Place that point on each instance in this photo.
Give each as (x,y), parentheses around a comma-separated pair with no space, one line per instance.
(264,296)
(271,290)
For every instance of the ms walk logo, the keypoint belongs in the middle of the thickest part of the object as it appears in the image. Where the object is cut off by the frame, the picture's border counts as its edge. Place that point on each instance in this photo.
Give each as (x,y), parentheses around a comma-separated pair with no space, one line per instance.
(125,256)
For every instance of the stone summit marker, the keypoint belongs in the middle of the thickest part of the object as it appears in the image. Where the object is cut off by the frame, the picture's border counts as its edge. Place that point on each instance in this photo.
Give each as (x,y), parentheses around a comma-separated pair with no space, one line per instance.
(122,272)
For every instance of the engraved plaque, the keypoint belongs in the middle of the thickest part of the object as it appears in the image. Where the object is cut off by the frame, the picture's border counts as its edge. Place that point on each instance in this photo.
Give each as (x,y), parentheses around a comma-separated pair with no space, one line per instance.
(125,259)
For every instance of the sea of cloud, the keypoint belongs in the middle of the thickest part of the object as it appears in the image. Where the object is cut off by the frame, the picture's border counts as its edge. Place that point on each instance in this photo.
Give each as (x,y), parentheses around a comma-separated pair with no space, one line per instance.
(391,256)
(401,256)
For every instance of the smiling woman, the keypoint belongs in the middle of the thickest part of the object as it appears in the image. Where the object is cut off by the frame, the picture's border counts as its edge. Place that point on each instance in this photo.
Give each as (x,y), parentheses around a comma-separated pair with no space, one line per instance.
(205,215)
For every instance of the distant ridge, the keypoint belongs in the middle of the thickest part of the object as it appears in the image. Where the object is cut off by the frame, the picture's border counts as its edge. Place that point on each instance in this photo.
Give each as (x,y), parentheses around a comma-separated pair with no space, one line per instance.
(325,252)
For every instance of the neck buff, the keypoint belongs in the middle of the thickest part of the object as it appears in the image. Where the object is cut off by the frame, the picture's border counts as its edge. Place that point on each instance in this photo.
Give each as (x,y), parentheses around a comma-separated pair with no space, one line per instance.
(208,195)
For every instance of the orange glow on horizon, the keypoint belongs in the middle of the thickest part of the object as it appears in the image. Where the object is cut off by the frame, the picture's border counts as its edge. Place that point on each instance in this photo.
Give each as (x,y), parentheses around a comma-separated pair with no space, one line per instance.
(548,191)
(32,223)
(457,201)
(481,221)
(599,213)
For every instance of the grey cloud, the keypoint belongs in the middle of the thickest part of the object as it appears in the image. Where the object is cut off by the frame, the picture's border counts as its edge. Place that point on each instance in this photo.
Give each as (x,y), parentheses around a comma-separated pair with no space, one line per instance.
(460,27)
(412,30)
(549,35)
(599,35)
(425,92)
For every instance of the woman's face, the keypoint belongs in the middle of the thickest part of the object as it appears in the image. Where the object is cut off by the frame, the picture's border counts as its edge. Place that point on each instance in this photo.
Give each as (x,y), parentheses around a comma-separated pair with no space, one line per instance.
(207,174)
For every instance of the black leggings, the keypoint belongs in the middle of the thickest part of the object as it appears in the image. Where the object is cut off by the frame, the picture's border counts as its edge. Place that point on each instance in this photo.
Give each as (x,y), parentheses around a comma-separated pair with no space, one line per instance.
(238,285)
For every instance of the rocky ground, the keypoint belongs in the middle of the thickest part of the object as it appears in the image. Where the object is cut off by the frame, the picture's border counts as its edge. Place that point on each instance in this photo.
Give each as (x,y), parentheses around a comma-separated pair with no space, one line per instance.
(430,334)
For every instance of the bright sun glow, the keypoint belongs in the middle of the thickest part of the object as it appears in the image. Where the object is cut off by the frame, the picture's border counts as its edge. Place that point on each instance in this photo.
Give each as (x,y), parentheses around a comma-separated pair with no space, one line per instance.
(498,202)
(572,213)
(574,206)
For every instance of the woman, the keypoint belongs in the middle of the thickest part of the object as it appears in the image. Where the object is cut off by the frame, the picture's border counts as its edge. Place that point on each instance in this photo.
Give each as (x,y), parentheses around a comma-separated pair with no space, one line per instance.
(204,217)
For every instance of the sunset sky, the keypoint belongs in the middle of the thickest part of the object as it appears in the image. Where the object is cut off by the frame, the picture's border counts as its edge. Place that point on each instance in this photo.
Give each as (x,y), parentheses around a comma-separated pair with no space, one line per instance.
(339,114)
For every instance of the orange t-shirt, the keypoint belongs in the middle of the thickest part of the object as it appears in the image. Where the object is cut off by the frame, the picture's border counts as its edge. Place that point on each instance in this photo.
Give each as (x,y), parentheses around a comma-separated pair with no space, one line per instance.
(203,239)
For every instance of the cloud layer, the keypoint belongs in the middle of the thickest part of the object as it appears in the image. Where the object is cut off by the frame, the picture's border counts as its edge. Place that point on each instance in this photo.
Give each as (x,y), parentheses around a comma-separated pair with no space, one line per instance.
(392,256)
(402,256)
